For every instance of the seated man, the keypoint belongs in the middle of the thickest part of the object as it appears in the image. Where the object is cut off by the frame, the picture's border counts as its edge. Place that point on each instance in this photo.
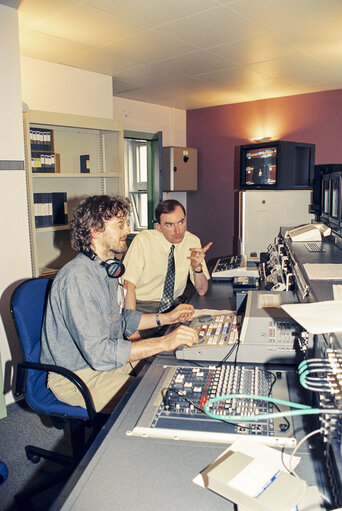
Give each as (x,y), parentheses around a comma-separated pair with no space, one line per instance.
(86,325)
(159,261)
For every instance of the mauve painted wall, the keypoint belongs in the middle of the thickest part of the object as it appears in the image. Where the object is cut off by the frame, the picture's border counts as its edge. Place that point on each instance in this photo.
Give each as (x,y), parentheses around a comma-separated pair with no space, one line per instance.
(218,132)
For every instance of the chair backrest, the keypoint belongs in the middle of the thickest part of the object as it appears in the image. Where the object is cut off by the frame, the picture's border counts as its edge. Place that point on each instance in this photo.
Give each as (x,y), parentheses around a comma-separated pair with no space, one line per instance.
(27,308)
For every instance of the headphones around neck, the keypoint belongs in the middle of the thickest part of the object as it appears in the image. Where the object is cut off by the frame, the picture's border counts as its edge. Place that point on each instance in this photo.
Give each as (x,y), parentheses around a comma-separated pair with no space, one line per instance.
(115,268)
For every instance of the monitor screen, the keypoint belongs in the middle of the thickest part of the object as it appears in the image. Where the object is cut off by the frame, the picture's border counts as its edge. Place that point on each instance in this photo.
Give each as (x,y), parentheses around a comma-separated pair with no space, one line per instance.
(261,166)
(335,197)
(325,197)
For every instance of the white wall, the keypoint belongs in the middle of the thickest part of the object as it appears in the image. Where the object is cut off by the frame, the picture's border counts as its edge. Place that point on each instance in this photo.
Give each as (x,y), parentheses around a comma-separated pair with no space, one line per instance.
(15,257)
(149,118)
(140,116)
(57,88)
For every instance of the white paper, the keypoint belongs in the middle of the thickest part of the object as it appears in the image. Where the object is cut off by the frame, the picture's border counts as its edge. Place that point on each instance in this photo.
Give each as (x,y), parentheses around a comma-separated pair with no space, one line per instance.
(269,456)
(323,271)
(337,291)
(318,317)
(254,479)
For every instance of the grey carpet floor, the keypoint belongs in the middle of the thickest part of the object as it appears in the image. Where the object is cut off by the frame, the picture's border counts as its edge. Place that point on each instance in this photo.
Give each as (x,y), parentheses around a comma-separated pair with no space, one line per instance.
(22,427)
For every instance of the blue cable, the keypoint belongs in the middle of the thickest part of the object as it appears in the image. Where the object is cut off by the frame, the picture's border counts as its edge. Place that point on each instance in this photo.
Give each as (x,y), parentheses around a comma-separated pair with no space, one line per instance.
(302,409)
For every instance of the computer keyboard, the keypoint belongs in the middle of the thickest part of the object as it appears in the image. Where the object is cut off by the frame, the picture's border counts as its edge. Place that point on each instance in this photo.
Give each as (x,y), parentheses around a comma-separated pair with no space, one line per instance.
(313,246)
(231,266)
(229,262)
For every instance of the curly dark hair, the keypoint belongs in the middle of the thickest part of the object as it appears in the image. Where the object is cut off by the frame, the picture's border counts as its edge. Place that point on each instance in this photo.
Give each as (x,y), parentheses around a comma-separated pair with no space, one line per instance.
(93,212)
(167,206)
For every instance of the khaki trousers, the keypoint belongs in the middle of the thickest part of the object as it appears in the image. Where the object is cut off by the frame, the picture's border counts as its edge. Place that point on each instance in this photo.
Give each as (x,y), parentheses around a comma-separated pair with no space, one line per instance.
(106,387)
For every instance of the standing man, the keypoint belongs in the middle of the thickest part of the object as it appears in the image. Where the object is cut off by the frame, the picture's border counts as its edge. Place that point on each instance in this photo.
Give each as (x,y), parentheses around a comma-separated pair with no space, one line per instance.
(86,326)
(159,261)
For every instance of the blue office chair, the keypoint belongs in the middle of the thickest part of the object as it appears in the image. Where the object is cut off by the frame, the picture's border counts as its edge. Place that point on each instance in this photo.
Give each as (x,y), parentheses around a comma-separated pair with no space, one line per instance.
(27,308)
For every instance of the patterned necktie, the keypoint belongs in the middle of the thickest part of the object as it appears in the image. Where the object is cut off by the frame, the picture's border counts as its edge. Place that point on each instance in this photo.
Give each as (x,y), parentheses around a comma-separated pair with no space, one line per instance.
(169,284)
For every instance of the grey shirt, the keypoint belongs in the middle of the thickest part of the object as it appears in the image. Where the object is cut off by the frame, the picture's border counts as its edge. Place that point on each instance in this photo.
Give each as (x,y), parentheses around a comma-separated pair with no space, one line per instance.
(84,324)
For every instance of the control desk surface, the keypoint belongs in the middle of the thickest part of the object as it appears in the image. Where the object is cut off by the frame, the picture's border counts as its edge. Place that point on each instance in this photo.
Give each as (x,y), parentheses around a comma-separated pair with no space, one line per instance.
(104,477)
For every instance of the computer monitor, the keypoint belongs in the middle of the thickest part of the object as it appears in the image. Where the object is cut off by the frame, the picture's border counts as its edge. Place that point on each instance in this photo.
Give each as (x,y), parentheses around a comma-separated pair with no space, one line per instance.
(331,207)
(325,197)
(261,166)
(335,196)
(279,165)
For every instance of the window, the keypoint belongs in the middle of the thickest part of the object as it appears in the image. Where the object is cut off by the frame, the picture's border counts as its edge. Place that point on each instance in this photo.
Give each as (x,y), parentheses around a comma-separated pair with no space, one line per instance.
(136,180)
(143,176)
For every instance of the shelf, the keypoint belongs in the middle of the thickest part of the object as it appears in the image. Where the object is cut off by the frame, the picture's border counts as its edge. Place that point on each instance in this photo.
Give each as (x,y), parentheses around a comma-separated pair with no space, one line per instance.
(61,175)
(48,272)
(73,138)
(53,228)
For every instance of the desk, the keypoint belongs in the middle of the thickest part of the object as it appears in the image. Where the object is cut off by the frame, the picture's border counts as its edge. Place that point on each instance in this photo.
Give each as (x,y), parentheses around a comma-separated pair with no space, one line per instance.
(126,473)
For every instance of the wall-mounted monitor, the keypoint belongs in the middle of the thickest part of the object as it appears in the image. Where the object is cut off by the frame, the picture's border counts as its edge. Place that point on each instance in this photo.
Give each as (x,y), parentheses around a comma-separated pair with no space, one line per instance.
(276,165)
(261,166)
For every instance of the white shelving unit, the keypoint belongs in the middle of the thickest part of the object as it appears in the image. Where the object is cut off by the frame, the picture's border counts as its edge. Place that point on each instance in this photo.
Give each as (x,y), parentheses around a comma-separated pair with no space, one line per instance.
(73,136)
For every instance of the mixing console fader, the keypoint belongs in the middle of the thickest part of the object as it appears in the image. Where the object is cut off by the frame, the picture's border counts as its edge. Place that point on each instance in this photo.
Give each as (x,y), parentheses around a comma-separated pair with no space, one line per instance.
(175,409)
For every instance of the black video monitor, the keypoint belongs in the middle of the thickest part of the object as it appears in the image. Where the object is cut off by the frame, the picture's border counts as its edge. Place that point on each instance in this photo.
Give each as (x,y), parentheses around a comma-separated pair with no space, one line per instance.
(335,217)
(259,167)
(325,198)
(335,196)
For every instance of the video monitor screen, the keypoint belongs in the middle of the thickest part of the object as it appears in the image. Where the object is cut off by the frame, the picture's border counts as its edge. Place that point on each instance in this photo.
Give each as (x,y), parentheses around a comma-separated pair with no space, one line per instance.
(325,197)
(335,198)
(261,166)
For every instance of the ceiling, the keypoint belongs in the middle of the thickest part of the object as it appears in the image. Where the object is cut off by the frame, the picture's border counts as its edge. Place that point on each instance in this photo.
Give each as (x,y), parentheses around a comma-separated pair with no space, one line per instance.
(191,53)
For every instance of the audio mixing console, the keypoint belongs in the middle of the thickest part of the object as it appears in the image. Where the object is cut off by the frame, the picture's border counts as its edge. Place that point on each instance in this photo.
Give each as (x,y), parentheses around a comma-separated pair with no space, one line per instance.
(263,335)
(217,335)
(175,409)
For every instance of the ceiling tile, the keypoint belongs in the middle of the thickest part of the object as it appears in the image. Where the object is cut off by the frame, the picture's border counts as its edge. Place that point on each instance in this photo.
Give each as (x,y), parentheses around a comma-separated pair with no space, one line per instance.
(281,67)
(87,26)
(255,49)
(148,75)
(101,60)
(237,76)
(211,28)
(44,47)
(319,41)
(35,12)
(310,81)
(150,13)
(195,63)
(275,14)
(150,47)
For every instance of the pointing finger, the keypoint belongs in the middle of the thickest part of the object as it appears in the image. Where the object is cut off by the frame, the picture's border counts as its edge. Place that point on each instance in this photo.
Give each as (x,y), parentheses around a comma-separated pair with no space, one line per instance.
(207,246)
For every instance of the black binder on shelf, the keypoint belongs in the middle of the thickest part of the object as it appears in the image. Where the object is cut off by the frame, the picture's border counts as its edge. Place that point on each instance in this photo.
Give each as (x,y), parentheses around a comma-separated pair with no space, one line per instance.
(43,209)
(59,208)
(85,164)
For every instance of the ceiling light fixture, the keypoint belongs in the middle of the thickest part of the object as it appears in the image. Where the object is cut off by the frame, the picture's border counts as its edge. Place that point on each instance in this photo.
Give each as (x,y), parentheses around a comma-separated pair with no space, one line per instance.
(259,140)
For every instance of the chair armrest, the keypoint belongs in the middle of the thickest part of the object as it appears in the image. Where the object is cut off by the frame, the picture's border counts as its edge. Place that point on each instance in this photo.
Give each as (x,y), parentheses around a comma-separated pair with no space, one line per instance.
(63,371)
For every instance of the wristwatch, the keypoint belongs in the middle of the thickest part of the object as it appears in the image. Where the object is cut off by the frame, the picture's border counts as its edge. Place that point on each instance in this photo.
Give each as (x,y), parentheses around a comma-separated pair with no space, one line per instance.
(199,271)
